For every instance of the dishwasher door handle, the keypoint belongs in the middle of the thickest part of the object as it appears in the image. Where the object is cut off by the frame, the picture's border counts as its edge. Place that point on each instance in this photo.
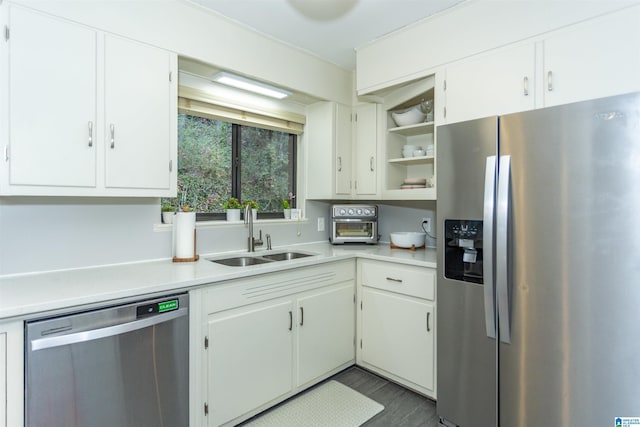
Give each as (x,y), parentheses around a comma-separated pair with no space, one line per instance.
(94,334)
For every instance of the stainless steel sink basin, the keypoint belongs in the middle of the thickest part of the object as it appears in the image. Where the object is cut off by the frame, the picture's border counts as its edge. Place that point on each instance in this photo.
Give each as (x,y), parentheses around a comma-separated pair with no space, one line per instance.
(241,261)
(245,261)
(285,256)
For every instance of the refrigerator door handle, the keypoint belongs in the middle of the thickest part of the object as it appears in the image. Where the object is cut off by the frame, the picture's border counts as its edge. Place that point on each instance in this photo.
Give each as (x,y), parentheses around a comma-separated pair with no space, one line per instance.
(487,246)
(502,268)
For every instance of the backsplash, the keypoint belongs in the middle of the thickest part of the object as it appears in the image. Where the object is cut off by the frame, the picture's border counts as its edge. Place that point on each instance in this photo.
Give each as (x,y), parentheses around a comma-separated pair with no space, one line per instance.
(53,233)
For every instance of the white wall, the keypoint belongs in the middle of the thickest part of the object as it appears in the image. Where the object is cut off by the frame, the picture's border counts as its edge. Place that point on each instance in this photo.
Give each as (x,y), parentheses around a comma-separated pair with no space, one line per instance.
(406,216)
(42,234)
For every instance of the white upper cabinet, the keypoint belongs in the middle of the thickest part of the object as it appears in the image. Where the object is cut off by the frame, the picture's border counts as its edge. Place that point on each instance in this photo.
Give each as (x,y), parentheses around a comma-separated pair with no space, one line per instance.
(342,151)
(138,115)
(87,113)
(52,101)
(594,59)
(365,151)
(487,85)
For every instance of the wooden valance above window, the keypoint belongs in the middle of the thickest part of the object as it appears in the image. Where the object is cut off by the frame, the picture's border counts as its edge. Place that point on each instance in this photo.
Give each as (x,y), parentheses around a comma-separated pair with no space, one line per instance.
(197,103)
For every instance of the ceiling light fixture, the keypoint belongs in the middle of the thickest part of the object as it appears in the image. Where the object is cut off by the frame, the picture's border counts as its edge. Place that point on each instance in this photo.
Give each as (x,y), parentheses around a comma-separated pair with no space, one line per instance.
(250,85)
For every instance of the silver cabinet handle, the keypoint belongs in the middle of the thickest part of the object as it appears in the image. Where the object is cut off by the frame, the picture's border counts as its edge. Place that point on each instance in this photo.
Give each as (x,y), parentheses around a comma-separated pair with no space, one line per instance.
(394,280)
(90,134)
(487,230)
(290,320)
(339,164)
(371,163)
(301,316)
(428,316)
(550,81)
(78,337)
(525,84)
(112,130)
(445,112)
(502,255)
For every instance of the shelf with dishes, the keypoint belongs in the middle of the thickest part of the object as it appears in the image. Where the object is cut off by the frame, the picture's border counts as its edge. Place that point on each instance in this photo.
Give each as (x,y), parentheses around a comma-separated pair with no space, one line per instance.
(413,130)
(415,160)
(409,144)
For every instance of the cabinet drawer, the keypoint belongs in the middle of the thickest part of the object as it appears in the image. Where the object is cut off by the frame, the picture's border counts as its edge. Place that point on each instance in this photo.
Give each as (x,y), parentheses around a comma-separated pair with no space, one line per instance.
(403,279)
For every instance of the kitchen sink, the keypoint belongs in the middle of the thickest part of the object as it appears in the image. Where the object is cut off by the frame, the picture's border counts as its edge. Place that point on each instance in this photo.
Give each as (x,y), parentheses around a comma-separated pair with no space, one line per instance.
(241,261)
(245,261)
(285,256)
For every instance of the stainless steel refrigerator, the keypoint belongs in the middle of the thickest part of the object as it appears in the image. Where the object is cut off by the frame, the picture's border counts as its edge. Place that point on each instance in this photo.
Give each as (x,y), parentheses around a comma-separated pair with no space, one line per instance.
(539,267)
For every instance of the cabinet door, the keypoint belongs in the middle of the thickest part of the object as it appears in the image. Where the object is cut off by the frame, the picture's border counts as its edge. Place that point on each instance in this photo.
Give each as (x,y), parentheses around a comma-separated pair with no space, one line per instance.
(3,379)
(343,148)
(319,138)
(498,83)
(398,335)
(250,359)
(594,59)
(326,328)
(138,115)
(366,146)
(52,101)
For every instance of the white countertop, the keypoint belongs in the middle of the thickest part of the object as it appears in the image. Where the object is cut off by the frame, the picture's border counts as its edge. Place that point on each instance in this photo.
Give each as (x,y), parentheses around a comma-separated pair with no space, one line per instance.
(23,296)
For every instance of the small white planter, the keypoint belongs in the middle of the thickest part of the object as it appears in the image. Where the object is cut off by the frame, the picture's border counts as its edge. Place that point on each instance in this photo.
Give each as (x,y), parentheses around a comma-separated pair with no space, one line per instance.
(233,214)
(287,213)
(167,217)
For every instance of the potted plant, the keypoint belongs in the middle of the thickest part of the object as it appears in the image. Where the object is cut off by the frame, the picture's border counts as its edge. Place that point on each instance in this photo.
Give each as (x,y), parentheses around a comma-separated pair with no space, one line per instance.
(168,211)
(254,208)
(286,207)
(232,207)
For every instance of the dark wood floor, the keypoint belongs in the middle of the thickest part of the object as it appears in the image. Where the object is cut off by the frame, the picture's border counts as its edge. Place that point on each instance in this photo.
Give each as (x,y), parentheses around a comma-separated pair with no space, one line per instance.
(402,407)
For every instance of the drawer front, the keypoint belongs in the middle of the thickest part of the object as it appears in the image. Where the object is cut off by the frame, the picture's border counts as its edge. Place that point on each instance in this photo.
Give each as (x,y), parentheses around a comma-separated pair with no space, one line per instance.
(400,278)
(240,292)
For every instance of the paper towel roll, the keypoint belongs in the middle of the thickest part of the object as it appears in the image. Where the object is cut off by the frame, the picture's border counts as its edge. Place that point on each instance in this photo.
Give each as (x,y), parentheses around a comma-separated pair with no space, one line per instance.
(184,225)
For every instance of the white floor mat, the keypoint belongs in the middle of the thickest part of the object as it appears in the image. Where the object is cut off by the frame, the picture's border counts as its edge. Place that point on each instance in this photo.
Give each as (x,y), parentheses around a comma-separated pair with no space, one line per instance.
(330,405)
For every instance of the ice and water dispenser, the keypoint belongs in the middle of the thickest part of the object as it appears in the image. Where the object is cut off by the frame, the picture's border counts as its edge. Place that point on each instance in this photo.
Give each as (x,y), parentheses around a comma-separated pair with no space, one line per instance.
(463,250)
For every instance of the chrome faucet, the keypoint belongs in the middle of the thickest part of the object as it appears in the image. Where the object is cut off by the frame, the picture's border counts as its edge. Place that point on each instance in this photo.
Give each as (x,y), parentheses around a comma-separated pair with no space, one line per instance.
(251,241)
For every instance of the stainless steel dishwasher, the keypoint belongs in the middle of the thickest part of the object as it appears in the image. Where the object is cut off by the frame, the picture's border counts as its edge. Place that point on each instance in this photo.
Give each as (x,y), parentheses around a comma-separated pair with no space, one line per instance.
(125,366)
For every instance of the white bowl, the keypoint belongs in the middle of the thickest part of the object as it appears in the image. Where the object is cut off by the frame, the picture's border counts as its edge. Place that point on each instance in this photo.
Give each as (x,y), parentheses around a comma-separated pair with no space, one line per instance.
(419,153)
(411,116)
(407,239)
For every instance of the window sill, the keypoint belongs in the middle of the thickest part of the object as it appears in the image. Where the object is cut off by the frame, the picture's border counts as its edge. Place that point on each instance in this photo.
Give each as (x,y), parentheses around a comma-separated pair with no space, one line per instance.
(160,227)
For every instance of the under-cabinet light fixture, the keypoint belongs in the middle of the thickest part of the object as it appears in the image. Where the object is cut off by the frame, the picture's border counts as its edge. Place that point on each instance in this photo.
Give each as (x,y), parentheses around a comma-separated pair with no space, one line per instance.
(250,85)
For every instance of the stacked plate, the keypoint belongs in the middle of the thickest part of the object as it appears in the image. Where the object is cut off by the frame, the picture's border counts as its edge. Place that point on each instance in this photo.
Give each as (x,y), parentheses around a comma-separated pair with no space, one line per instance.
(411,183)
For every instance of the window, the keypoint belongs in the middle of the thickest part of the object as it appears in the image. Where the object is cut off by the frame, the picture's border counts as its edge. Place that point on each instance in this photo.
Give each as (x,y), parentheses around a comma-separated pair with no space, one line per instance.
(218,160)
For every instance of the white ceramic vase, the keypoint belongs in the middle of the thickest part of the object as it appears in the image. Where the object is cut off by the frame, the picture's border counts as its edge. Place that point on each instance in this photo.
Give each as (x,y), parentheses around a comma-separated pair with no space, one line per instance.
(233,214)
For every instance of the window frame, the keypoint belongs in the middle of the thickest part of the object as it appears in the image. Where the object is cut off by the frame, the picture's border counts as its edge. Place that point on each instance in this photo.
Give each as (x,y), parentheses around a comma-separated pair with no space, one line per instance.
(236,174)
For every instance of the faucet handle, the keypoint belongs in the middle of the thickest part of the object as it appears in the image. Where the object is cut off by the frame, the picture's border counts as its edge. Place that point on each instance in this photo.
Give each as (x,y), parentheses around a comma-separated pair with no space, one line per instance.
(268,236)
(258,241)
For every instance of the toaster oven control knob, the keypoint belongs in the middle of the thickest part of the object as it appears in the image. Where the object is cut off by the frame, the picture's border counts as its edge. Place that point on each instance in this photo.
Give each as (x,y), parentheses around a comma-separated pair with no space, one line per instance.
(351,212)
(367,212)
(343,212)
(359,211)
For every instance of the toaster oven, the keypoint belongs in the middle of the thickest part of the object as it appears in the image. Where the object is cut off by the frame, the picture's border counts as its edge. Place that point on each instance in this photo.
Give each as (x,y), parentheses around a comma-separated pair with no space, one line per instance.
(354,224)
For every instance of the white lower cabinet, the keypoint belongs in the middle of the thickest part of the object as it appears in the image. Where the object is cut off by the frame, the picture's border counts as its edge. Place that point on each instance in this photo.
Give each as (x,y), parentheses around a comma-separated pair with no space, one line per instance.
(396,323)
(270,336)
(250,359)
(11,374)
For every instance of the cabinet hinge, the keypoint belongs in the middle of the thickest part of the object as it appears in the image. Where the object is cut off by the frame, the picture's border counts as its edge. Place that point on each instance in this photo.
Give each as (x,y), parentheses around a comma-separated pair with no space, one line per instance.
(7,33)
(354,298)
(170,165)
(360,305)
(206,343)
(170,76)
(355,117)
(206,409)
(360,344)
(444,85)
(6,153)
